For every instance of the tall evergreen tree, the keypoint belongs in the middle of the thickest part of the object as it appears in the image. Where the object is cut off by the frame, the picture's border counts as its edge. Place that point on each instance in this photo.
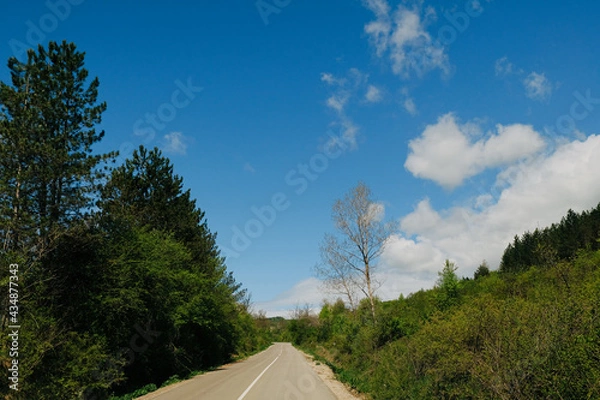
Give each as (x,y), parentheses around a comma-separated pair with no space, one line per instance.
(48,179)
(145,192)
(47,130)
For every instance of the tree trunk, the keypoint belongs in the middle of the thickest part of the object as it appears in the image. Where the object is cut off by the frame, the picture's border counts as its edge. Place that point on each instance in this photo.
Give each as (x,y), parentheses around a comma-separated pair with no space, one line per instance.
(370,290)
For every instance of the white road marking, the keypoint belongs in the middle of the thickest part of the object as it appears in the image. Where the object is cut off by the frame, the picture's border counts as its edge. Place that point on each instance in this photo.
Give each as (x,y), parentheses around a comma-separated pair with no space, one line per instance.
(258,377)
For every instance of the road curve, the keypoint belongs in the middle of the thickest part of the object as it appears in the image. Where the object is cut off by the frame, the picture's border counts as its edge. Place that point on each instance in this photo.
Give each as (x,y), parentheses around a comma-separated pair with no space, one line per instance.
(278,373)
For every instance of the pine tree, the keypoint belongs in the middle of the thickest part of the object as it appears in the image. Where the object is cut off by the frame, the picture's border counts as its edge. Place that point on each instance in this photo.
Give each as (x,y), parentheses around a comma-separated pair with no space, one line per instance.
(145,192)
(448,284)
(47,132)
(48,179)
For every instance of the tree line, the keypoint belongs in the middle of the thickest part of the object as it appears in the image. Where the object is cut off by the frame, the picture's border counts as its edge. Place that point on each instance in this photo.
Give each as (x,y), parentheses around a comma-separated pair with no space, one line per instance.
(121,281)
(558,242)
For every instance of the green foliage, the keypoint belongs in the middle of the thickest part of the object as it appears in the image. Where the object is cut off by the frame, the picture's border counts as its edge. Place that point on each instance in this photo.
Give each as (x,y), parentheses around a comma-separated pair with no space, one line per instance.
(169,273)
(558,242)
(48,173)
(482,270)
(125,285)
(448,286)
(137,292)
(532,333)
(151,387)
(303,327)
(173,379)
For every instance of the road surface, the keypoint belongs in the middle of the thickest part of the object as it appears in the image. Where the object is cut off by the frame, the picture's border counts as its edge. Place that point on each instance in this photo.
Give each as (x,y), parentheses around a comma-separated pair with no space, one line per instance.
(278,373)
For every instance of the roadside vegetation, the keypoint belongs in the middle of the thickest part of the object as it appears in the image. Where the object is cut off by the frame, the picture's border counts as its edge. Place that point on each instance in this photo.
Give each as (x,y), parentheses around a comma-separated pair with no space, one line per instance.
(530,330)
(122,288)
(121,283)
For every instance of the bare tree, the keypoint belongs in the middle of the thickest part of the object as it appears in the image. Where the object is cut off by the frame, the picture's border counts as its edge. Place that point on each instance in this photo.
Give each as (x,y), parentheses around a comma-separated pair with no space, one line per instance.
(348,259)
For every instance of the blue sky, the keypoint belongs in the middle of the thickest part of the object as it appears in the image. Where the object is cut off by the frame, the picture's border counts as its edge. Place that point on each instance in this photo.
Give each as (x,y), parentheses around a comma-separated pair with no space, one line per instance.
(471,121)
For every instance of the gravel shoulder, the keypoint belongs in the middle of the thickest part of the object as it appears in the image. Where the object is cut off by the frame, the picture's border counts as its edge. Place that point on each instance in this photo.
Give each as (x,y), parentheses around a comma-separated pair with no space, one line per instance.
(341,391)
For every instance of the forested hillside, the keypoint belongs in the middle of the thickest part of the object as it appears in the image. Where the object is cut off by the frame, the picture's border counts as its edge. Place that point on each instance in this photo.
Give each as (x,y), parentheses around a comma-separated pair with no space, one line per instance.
(530,330)
(119,282)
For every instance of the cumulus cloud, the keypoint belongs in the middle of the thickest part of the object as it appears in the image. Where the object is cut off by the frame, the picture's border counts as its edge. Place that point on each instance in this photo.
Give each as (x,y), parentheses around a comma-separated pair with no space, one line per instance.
(175,143)
(529,195)
(402,36)
(447,154)
(537,86)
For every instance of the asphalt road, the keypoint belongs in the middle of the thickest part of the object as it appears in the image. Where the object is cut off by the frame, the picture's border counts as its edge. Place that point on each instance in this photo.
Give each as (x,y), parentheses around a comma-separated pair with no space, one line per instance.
(280,372)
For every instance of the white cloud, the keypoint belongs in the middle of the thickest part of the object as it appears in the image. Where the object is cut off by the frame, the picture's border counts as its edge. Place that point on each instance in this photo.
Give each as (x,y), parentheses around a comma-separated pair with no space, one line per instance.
(535,194)
(403,36)
(418,256)
(373,94)
(446,153)
(380,7)
(380,29)
(343,91)
(376,212)
(409,104)
(356,78)
(309,291)
(338,102)
(395,282)
(537,86)
(504,67)
(349,132)
(330,79)
(175,143)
